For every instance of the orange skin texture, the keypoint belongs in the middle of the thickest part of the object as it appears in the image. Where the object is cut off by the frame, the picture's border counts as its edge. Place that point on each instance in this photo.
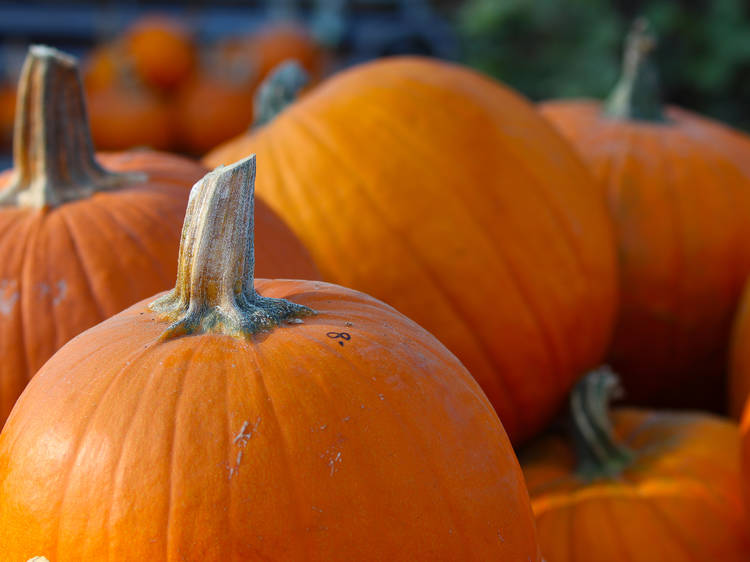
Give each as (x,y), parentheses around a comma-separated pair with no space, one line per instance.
(447,196)
(127,117)
(66,269)
(680,197)
(7,113)
(739,358)
(283,447)
(276,44)
(745,457)
(210,111)
(162,51)
(679,502)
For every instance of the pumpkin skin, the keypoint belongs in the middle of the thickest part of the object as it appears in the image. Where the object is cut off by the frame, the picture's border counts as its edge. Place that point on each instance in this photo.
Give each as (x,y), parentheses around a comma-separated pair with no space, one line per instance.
(69,266)
(678,500)
(678,187)
(739,365)
(161,50)
(125,117)
(211,110)
(445,195)
(681,281)
(287,445)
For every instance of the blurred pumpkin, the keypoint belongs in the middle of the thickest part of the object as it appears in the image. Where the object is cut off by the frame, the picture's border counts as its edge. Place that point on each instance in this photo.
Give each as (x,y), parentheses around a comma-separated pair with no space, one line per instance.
(637,485)
(127,116)
(447,196)
(162,51)
(103,67)
(7,113)
(81,242)
(678,186)
(227,421)
(214,106)
(275,44)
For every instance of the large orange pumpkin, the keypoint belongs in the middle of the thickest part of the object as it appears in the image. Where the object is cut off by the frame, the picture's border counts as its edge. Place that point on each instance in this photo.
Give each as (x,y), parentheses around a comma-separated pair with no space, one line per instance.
(445,194)
(637,485)
(81,242)
(678,186)
(216,424)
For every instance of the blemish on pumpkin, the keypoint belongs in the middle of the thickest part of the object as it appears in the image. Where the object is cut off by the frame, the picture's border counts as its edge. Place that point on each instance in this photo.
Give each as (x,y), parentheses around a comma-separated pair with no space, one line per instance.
(62,289)
(382,397)
(241,440)
(333,457)
(8,295)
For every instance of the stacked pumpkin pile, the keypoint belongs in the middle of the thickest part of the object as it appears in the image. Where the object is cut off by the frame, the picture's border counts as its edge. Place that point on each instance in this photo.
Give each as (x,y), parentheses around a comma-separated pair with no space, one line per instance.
(289,418)
(157,86)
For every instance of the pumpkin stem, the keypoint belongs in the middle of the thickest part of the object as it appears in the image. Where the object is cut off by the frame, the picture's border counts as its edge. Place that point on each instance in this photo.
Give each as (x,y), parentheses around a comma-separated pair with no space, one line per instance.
(599,453)
(636,95)
(215,290)
(52,149)
(278,91)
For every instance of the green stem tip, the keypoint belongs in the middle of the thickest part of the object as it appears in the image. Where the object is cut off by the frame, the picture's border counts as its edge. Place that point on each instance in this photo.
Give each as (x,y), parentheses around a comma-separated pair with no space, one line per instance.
(279,90)
(215,292)
(599,453)
(637,95)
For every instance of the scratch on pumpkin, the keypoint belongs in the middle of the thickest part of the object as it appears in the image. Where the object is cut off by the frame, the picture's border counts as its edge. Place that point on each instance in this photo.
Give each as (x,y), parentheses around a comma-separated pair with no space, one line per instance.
(8,295)
(241,439)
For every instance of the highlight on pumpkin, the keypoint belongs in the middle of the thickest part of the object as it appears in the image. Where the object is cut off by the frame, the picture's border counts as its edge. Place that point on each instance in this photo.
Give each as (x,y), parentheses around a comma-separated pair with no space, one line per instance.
(215,272)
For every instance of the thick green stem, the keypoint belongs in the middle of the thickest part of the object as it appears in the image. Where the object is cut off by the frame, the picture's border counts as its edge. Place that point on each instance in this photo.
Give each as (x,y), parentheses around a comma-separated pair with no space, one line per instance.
(215,290)
(52,149)
(637,94)
(599,453)
(279,90)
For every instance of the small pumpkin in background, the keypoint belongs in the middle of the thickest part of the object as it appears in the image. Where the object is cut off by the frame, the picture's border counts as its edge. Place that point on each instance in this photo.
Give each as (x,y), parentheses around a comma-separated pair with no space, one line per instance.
(272,45)
(103,67)
(216,105)
(636,485)
(128,116)
(242,419)
(447,196)
(678,187)
(162,50)
(7,113)
(83,237)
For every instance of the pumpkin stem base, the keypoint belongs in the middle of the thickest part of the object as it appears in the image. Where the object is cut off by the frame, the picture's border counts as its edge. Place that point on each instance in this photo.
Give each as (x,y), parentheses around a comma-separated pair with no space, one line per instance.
(215,290)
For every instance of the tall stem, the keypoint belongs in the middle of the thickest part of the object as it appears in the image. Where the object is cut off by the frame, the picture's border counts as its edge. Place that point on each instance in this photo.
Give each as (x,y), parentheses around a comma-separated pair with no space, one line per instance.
(52,149)
(637,95)
(215,290)
(598,451)
(279,90)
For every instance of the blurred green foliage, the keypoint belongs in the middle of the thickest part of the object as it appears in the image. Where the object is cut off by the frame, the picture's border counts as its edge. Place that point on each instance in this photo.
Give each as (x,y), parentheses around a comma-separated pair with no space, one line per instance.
(572,48)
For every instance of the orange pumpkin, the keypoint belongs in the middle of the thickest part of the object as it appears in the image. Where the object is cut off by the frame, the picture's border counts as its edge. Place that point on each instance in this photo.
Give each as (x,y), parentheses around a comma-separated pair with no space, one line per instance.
(128,116)
(103,67)
(739,364)
(7,113)
(275,44)
(162,51)
(216,424)
(678,186)
(637,485)
(81,242)
(445,194)
(210,110)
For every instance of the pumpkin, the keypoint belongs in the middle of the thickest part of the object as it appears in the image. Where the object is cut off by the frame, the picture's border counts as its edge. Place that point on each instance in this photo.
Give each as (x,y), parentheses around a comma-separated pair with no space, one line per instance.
(212,109)
(636,485)
(678,186)
(233,419)
(445,194)
(271,46)
(162,51)
(103,67)
(739,358)
(127,116)
(79,241)
(7,113)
